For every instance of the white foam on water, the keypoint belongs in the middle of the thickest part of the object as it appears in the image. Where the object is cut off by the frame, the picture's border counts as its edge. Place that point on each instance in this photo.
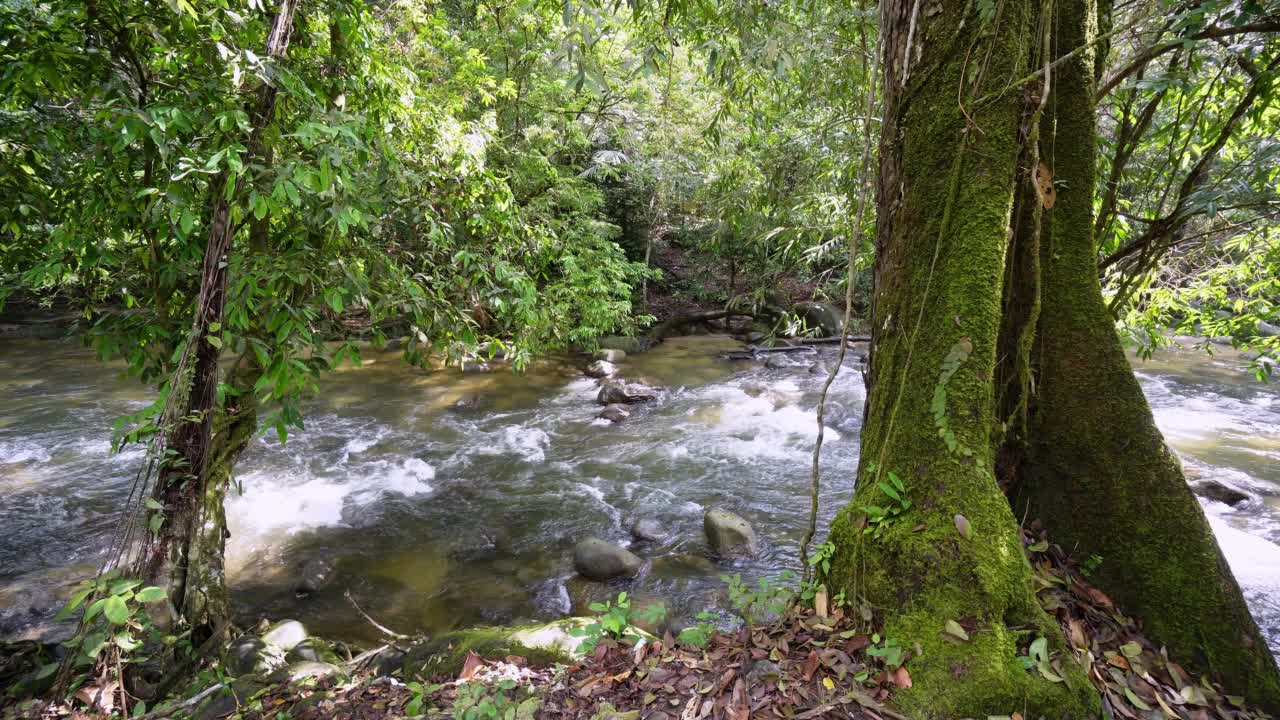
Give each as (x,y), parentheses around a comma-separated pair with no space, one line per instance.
(273,505)
(1254,561)
(597,495)
(528,443)
(22,451)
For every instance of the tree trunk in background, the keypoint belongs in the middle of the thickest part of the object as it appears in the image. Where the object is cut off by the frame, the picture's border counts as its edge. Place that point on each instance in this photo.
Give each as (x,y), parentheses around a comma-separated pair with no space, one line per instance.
(1097,471)
(187,551)
(946,189)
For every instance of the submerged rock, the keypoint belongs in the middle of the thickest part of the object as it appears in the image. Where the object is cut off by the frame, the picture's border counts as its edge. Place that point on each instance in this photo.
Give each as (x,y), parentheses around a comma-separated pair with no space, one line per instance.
(648,528)
(624,392)
(818,369)
(823,316)
(615,413)
(610,355)
(316,575)
(728,533)
(1214,490)
(776,362)
(629,345)
(599,560)
(601,369)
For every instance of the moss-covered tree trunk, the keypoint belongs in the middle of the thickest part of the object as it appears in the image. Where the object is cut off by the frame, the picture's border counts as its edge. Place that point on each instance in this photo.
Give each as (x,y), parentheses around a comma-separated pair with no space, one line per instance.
(209,427)
(1096,469)
(945,196)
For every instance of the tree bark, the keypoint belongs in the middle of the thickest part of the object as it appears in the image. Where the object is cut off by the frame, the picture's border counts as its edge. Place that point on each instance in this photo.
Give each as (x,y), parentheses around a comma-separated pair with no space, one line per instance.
(1097,471)
(945,196)
(187,551)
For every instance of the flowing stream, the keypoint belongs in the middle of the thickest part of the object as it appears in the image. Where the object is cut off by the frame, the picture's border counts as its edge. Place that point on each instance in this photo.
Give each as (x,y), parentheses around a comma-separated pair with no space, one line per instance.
(446,499)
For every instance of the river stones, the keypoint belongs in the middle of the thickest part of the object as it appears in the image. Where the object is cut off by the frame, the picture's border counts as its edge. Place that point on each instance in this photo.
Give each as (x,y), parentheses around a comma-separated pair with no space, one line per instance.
(1214,490)
(313,650)
(629,345)
(249,655)
(647,528)
(601,369)
(599,560)
(611,355)
(286,635)
(623,392)
(615,413)
(309,669)
(823,316)
(776,362)
(818,369)
(316,575)
(728,534)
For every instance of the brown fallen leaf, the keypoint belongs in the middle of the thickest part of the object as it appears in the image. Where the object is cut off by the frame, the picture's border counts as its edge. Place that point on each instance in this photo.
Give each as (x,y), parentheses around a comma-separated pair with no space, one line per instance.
(470,666)
(902,678)
(810,666)
(739,706)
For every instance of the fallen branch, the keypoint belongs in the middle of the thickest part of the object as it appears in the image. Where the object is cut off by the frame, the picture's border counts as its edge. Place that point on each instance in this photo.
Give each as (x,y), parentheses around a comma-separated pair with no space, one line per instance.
(661,331)
(381,628)
(189,702)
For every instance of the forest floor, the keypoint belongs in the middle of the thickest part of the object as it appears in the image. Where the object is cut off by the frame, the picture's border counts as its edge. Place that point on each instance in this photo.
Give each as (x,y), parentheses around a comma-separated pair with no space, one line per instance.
(802,666)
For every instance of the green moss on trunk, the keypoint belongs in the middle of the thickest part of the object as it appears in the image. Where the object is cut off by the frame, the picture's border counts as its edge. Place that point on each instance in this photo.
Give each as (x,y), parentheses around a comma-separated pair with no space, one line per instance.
(1098,473)
(945,197)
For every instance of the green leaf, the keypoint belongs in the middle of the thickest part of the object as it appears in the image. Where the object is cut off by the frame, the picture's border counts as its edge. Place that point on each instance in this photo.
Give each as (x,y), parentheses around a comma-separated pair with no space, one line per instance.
(956,630)
(116,610)
(151,594)
(121,586)
(73,603)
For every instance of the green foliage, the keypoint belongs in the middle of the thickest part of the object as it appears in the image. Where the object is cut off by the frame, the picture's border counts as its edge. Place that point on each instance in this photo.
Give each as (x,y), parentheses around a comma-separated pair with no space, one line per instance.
(887,650)
(762,603)
(880,517)
(614,621)
(1037,657)
(1091,565)
(115,624)
(699,634)
(504,700)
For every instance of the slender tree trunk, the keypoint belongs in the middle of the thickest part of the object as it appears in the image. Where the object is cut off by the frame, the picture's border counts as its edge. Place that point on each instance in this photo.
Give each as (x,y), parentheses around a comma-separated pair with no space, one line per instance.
(187,551)
(945,197)
(1097,471)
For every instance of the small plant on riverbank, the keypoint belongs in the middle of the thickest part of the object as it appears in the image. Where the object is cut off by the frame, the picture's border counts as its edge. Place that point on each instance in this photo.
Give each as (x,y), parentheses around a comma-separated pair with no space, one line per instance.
(764,602)
(614,619)
(114,628)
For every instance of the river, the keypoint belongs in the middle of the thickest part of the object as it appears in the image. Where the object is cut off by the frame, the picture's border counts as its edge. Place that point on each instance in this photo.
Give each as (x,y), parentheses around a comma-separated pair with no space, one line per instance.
(446,499)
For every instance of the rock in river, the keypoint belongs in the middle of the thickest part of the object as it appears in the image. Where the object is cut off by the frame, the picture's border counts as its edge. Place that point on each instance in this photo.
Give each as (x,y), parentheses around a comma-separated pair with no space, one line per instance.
(823,316)
(600,560)
(601,369)
(611,355)
(615,413)
(728,533)
(648,528)
(316,574)
(1215,490)
(624,392)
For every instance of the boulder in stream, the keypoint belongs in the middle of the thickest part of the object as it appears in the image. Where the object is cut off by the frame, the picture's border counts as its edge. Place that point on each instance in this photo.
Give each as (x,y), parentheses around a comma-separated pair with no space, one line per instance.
(316,575)
(728,534)
(823,316)
(285,635)
(599,560)
(624,392)
(611,355)
(601,369)
(647,528)
(629,345)
(615,413)
(1214,490)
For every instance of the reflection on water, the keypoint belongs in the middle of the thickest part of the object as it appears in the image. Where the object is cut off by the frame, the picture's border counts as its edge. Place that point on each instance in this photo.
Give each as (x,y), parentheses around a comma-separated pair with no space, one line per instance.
(444,498)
